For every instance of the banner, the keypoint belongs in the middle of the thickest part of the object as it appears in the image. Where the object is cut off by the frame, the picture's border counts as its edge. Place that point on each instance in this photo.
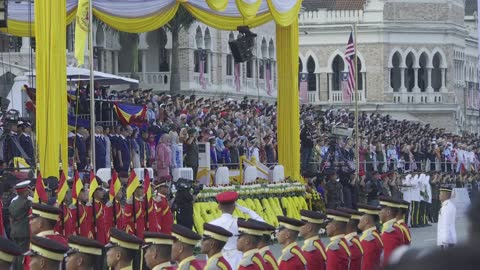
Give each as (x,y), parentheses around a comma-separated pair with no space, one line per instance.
(130,114)
(82,27)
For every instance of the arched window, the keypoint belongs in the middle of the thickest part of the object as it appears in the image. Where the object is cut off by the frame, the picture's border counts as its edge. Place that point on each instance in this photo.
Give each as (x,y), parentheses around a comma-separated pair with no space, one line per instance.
(229,59)
(300,65)
(271,49)
(261,69)
(264,48)
(208,47)
(422,72)
(359,75)
(437,72)
(311,79)
(409,72)
(395,75)
(250,69)
(338,66)
(196,54)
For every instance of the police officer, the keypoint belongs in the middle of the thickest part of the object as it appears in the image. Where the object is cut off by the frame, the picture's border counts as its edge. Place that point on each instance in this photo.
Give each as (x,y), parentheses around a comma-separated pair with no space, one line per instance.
(370,239)
(338,252)
(183,246)
(84,254)
(213,241)
(313,248)
(249,236)
(123,250)
(19,210)
(292,256)
(158,250)
(8,251)
(392,235)
(46,254)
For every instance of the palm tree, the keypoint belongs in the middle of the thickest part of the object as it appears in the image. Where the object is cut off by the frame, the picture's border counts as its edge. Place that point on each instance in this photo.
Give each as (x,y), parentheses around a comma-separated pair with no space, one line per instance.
(182,20)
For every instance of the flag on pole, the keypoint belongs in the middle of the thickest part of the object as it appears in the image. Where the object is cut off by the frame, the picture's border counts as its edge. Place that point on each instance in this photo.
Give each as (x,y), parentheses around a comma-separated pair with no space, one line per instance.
(82,26)
(237,77)
(303,88)
(77,187)
(133,184)
(147,187)
(62,187)
(40,195)
(268,77)
(93,185)
(115,185)
(349,87)
(347,97)
(203,60)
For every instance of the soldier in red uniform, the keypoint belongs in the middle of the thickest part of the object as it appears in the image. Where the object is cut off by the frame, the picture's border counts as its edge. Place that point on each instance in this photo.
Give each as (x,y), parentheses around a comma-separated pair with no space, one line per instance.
(370,239)
(392,235)
(43,221)
(80,224)
(8,251)
(135,213)
(62,226)
(402,213)
(250,234)
(292,256)
(84,253)
(158,252)
(213,241)
(338,252)
(96,215)
(114,214)
(162,208)
(313,249)
(353,241)
(183,247)
(123,250)
(265,241)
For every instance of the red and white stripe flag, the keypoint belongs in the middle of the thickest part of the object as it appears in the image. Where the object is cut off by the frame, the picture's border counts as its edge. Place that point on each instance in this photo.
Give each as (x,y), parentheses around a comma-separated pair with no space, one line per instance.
(349,87)
(237,76)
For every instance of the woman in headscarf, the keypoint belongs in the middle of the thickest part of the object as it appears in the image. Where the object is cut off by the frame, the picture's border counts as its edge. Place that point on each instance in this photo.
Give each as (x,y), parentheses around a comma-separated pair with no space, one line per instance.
(164,156)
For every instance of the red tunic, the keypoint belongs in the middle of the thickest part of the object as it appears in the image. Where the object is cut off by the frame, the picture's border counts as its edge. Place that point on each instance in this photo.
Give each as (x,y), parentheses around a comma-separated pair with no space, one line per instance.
(138,224)
(164,214)
(117,222)
(292,258)
(190,263)
(97,226)
(407,237)
(61,227)
(270,262)
(392,237)
(252,260)
(356,251)
(218,262)
(372,249)
(338,253)
(80,224)
(314,253)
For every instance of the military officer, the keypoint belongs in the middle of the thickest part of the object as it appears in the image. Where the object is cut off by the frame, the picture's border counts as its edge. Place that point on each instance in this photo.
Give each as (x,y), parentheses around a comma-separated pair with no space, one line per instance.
(265,241)
(45,254)
(26,142)
(158,251)
(353,241)
(83,254)
(19,210)
(402,213)
(392,235)
(338,252)
(370,239)
(213,241)
(250,234)
(123,250)
(292,256)
(446,232)
(183,246)
(8,251)
(226,202)
(313,249)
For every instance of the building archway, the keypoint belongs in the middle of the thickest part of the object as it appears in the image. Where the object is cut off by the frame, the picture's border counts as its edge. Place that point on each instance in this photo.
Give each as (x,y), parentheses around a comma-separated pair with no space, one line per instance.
(312,77)
(410,72)
(395,72)
(338,67)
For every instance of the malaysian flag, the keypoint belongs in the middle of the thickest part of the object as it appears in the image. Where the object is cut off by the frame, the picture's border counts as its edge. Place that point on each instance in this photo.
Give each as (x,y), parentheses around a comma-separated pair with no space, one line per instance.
(303,88)
(349,86)
(237,76)
(203,59)
(268,76)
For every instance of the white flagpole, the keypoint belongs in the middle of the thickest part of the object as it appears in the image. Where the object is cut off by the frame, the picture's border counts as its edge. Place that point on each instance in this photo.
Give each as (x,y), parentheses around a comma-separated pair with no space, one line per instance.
(357,131)
(92,90)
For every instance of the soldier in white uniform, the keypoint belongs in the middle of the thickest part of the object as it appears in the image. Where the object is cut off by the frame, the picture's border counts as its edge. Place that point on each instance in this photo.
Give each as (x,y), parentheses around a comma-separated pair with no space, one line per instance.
(415,202)
(226,202)
(446,232)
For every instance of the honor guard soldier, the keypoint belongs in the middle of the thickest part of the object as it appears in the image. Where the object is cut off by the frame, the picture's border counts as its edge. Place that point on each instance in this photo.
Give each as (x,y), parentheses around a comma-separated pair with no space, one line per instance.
(8,251)
(45,254)
(123,251)
(249,236)
(292,256)
(265,241)
(213,241)
(43,219)
(370,239)
(138,224)
(114,213)
(392,235)
(446,233)
(313,249)
(96,214)
(183,247)
(162,208)
(402,213)
(158,250)
(80,223)
(19,211)
(353,241)
(83,254)
(338,252)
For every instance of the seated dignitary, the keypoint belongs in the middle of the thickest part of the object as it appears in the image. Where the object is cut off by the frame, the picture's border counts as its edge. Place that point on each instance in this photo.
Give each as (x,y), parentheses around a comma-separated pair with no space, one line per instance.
(292,256)
(158,250)
(8,251)
(123,250)
(213,240)
(392,236)
(45,254)
(353,241)
(313,248)
(370,239)
(263,245)
(43,219)
(183,246)
(84,254)
(402,213)
(338,252)
(250,234)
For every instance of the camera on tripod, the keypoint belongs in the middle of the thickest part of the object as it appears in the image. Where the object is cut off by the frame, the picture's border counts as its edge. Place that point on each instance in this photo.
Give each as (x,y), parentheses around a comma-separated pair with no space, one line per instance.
(187,184)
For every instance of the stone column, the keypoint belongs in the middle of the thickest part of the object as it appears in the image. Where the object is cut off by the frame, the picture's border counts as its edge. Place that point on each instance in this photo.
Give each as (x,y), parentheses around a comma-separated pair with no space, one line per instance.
(415,89)
(403,89)
(429,80)
(144,64)
(115,62)
(25,45)
(443,88)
